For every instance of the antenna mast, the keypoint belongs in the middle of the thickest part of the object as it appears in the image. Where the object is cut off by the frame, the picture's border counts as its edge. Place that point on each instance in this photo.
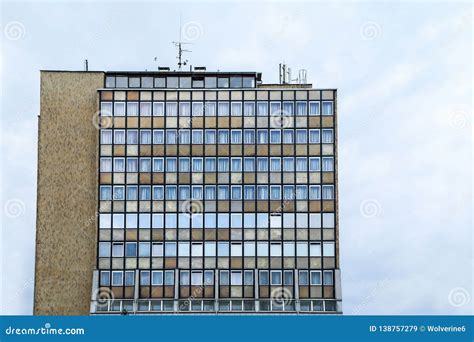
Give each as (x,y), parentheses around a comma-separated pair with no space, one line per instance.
(179,44)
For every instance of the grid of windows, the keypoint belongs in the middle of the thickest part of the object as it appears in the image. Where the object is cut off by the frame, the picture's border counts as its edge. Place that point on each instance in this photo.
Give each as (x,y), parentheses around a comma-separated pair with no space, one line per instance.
(209,197)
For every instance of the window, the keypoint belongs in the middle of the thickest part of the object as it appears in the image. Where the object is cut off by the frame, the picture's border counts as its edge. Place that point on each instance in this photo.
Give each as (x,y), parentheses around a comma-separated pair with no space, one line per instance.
(171,136)
(248,277)
(303,278)
(131,249)
(289,249)
(185,82)
(328,220)
(223,249)
(158,165)
(196,278)
(158,136)
(287,108)
(184,109)
(314,108)
(157,249)
(328,164)
(275,249)
(117,278)
(210,109)
(236,109)
(183,249)
(262,164)
(262,108)
(119,109)
(198,109)
(262,192)
(263,278)
(288,192)
(249,192)
(236,278)
(119,193)
(105,278)
(275,277)
(157,278)
(314,136)
(105,221)
(198,136)
(106,109)
(249,249)
(210,137)
(302,249)
(119,137)
(145,136)
(275,136)
(275,108)
(145,109)
(327,108)
(223,82)
(223,136)
(223,164)
(171,165)
(170,249)
(224,278)
(262,249)
(119,164)
(106,137)
(328,192)
(314,192)
(314,164)
(275,192)
(249,136)
(131,220)
(249,164)
(249,109)
(210,192)
(301,136)
(184,278)
(169,277)
(236,164)
(287,277)
(301,192)
(328,278)
(105,164)
(236,136)
(184,136)
(145,164)
(158,109)
(184,164)
(171,109)
(301,108)
(210,248)
(196,249)
(262,136)
(144,249)
(288,136)
(328,249)
(301,164)
(104,249)
(223,109)
(160,82)
(145,278)
(315,277)
(198,165)
(315,249)
(328,136)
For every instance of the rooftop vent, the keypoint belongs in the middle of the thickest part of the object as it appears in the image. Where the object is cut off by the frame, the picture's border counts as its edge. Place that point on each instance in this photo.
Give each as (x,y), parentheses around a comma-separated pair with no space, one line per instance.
(201,68)
(163,68)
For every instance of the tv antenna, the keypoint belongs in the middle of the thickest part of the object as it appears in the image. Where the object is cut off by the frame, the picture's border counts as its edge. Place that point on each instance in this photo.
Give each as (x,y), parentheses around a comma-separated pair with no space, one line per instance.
(179,44)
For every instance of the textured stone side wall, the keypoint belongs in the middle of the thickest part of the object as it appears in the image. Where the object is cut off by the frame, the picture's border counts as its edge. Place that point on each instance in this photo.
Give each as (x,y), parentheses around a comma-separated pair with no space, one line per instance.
(67,192)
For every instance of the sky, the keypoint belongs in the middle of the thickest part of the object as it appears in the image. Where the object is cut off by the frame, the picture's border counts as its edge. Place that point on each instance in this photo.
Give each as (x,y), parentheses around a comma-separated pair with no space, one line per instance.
(404,77)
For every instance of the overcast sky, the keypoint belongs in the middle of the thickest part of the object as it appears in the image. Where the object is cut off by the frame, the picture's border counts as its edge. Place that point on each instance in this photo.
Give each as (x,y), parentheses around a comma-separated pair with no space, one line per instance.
(404,79)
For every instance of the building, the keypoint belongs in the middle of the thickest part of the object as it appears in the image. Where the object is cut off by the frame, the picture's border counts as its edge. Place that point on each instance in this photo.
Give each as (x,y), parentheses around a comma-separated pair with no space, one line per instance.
(196,191)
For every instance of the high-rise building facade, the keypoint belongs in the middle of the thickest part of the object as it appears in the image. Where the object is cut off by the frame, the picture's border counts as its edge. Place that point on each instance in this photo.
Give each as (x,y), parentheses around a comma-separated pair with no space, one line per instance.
(214,192)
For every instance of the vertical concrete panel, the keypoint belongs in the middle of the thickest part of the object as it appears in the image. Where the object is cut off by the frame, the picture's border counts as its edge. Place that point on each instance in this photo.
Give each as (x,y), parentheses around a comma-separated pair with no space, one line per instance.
(67,192)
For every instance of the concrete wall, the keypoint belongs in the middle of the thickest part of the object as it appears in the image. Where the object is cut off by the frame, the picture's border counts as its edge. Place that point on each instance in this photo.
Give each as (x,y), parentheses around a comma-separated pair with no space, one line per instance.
(67,192)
